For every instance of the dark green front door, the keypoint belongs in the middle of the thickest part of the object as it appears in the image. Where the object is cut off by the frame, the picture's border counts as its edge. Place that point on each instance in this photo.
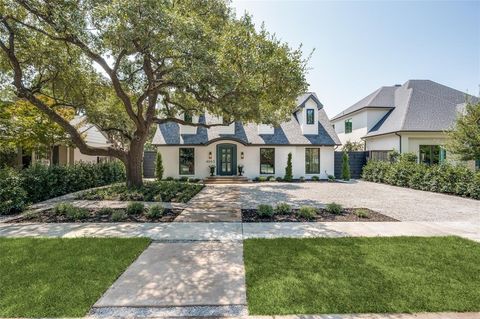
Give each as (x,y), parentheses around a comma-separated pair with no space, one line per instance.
(226,159)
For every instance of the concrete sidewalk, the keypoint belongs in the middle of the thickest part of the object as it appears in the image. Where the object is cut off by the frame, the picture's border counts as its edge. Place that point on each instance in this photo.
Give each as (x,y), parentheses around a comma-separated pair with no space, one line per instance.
(226,231)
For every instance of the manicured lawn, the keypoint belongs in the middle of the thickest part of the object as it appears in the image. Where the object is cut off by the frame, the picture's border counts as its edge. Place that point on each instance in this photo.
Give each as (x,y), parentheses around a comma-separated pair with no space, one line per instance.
(157,191)
(60,277)
(360,275)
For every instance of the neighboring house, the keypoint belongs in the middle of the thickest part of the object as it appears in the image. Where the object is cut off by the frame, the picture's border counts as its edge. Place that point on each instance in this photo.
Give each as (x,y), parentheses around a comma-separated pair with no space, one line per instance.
(68,155)
(409,118)
(261,149)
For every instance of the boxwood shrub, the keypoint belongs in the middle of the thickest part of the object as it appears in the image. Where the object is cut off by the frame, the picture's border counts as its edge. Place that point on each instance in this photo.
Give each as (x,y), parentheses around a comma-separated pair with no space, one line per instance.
(39,182)
(443,178)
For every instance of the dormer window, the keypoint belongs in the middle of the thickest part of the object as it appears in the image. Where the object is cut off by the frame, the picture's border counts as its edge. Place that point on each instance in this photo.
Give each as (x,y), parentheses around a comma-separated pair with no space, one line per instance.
(310,116)
(187,117)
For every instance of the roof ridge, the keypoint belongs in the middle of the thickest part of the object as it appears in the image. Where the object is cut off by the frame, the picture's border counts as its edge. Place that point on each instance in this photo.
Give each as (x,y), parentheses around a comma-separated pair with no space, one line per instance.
(407,107)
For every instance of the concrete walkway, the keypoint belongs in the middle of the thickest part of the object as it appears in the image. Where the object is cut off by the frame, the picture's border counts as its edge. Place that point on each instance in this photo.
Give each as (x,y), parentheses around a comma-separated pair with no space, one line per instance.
(226,231)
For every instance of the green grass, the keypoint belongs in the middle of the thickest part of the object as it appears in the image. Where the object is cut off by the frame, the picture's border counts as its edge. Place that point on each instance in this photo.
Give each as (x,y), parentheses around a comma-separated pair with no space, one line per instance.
(157,191)
(60,277)
(362,275)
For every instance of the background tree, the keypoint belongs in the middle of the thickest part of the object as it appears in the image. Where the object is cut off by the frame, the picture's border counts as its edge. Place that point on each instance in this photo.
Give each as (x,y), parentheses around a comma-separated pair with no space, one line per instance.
(24,126)
(353,146)
(127,65)
(288,170)
(345,167)
(464,139)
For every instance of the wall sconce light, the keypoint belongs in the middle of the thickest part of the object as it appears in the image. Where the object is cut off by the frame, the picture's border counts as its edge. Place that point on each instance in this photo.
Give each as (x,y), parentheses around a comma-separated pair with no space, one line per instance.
(210,155)
(242,156)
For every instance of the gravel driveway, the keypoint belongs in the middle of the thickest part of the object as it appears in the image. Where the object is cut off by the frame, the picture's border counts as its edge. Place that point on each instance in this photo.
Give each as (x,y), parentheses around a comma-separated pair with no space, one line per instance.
(400,203)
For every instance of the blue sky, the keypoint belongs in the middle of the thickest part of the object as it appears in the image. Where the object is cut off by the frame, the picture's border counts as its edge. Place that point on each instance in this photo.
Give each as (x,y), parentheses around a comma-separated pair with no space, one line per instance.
(360,46)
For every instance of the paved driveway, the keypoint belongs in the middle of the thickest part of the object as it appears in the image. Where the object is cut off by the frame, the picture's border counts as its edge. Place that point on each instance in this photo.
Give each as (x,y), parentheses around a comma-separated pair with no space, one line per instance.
(400,203)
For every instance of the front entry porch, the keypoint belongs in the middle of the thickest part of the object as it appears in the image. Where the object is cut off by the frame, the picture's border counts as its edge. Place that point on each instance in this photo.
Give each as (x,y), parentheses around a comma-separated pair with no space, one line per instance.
(226,159)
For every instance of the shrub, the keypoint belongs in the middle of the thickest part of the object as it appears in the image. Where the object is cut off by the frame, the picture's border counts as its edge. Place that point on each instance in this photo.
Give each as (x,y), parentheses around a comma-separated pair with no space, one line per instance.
(155,211)
(345,167)
(288,170)
(61,208)
(183,179)
(301,179)
(271,178)
(315,178)
(106,211)
(42,182)
(169,178)
(262,178)
(70,211)
(76,213)
(307,212)
(362,213)
(265,210)
(159,166)
(279,179)
(135,208)
(334,208)
(13,198)
(283,209)
(331,178)
(118,216)
(443,178)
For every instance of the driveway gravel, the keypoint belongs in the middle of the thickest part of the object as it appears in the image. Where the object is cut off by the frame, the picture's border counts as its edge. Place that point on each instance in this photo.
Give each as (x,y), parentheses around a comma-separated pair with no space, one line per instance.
(400,203)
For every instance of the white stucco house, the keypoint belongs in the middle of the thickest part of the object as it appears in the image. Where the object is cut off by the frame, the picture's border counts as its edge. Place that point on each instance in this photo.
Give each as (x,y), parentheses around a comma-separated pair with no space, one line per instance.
(261,149)
(409,118)
(68,155)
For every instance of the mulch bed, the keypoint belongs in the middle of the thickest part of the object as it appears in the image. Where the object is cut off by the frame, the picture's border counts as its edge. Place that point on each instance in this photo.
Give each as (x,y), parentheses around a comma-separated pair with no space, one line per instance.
(348,215)
(48,216)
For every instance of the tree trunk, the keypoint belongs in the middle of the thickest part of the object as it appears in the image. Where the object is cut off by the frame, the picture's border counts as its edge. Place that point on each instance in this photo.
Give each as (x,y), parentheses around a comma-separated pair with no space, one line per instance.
(134,165)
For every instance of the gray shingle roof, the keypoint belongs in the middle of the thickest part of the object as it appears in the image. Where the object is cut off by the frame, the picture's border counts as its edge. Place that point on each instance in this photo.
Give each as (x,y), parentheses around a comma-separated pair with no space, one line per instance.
(381,98)
(288,133)
(421,105)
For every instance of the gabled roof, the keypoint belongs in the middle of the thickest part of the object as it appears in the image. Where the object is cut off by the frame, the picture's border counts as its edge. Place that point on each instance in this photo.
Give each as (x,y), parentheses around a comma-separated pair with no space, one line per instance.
(381,98)
(288,133)
(421,105)
(302,99)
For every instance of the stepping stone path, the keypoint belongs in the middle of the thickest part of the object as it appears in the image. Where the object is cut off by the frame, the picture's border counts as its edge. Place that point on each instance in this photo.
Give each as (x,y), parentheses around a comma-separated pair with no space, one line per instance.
(213,204)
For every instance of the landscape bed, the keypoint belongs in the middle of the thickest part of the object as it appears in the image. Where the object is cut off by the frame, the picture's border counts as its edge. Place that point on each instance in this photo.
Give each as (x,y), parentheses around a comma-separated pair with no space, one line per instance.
(67,213)
(60,277)
(157,191)
(322,215)
(362,275)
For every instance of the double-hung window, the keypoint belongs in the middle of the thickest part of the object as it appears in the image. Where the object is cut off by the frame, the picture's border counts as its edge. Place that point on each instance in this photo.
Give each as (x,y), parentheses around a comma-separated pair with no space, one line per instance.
(348,126)
(310,116)
(267,161)
(187,161)
(312,161)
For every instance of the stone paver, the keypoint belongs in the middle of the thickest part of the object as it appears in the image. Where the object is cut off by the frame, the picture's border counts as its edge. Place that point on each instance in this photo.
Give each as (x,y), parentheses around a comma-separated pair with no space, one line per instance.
(400,203)
(181,274)
(213,204)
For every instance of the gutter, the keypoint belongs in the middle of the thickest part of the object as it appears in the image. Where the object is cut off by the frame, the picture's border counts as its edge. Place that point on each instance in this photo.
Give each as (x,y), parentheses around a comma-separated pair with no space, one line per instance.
(400,141)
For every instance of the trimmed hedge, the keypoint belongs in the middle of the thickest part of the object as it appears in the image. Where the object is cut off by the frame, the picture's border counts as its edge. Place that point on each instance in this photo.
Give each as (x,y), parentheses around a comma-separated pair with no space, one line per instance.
(38,182)
(443,178)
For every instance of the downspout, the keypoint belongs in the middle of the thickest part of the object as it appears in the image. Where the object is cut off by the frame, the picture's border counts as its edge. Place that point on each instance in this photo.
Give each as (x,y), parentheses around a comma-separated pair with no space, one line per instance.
(400,142)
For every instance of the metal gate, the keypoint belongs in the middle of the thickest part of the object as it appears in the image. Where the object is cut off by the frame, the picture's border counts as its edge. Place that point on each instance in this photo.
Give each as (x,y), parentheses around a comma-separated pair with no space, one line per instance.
(356,160)
(149,163)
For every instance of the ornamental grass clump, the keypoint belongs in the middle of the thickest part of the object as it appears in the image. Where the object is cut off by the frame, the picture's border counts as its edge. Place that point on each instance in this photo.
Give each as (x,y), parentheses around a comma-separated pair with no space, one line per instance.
(283,209)
(307,212)
(334,208)
(155,211)
(135,208)
(265,210)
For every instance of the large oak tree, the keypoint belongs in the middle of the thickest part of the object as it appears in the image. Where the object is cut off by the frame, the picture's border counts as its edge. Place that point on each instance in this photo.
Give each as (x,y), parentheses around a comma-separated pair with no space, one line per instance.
(128,65)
